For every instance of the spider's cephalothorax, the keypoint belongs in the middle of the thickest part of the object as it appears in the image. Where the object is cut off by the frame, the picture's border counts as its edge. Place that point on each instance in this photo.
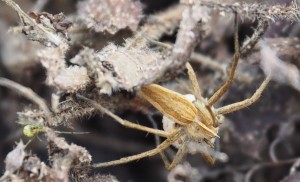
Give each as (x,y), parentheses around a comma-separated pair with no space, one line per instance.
(203,126)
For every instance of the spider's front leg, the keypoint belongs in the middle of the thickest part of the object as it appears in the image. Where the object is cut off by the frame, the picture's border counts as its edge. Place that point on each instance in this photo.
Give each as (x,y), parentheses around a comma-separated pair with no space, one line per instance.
(224,88)
(194,82)
(122,121)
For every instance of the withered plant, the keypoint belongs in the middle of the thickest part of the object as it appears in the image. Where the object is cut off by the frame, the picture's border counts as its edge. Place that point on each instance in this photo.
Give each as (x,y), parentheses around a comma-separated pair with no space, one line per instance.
(108,57)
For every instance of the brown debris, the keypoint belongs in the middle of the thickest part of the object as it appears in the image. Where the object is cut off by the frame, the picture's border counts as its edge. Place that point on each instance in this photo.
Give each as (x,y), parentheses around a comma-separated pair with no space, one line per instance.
(22,165)
(58,21)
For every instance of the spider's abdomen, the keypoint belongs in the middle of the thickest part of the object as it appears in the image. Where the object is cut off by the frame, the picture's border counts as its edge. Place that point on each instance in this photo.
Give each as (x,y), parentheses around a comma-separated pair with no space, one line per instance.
(171,104)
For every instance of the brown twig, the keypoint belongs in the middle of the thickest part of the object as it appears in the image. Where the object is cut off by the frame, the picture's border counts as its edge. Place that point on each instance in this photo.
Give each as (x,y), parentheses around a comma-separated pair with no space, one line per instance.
(252,41)
(28,93)
(255,168)
(208,62)
(56,40)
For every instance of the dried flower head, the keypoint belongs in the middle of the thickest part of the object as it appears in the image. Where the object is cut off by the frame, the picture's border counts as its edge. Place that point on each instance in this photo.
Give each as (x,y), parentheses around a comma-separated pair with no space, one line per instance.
(68,79)
(72,78)
(115,68)
(110,15)
(56,22)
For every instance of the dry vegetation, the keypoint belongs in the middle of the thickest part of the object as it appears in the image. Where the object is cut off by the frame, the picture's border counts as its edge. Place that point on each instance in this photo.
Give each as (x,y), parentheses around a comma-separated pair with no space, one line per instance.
(106,50)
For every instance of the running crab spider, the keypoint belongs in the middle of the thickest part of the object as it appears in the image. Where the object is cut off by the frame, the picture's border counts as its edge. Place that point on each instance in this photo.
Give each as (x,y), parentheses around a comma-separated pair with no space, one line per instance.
(195,121)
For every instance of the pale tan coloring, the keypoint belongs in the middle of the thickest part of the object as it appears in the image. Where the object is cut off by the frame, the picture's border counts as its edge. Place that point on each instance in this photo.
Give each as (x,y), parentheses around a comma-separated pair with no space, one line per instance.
(195,121)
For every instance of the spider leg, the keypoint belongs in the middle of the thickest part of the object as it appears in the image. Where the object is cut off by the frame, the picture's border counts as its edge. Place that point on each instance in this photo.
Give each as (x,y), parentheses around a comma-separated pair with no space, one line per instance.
(157,141)
(207,157)
(165,159)
(197,92)
(224,88)
(179,155)
(175,135)
(245,103)
(194,82)
(122,121)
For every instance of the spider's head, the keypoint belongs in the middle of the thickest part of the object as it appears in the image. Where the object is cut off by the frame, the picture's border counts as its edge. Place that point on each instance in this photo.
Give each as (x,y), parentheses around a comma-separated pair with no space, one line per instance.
(204,126)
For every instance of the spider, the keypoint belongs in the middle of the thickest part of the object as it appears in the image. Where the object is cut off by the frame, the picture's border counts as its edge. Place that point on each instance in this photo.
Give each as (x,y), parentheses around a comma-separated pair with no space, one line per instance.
(187,122)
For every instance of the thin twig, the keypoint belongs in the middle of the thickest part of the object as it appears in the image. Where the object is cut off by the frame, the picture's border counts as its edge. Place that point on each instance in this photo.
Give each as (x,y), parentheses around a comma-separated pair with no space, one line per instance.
(252,41)
(28,93)
(208,62)
(26,19)
(272,149)
(255,168)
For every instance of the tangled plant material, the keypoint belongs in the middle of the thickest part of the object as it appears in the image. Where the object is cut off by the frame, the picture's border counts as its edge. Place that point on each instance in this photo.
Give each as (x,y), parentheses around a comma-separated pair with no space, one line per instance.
(111,76)
(111,15)
(257,11)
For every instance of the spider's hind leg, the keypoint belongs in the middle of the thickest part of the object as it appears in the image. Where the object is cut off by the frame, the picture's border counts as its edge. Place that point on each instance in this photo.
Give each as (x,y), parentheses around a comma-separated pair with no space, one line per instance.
(179,155)
(122,121)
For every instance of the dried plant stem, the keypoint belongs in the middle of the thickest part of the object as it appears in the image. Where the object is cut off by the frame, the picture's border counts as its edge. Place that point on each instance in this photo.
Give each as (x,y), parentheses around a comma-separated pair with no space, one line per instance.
(189,35)
(161,23)
(251,42)
(26,19)
(28,93)
(220,67)
(208,62)
(250,173)
(272,149)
